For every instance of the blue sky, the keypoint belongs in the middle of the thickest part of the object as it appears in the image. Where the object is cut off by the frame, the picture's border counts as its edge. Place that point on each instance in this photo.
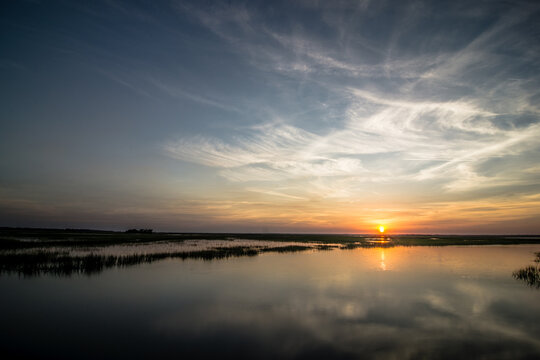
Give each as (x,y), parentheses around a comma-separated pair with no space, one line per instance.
(293,116)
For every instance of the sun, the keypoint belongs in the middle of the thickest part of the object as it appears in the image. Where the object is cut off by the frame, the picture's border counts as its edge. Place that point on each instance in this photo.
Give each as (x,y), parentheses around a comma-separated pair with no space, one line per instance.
(381,229)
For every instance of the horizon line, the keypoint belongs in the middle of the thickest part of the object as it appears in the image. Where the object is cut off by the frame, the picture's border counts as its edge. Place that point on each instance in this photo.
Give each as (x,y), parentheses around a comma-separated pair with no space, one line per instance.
(262,233)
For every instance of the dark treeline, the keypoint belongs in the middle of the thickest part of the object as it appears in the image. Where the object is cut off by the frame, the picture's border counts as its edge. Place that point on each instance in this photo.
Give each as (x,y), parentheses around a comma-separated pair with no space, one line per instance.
(139,231)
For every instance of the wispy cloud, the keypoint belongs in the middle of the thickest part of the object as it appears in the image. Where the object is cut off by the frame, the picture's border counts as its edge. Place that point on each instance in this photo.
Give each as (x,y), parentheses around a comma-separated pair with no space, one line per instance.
(449,134)
(412,126)
(179,92)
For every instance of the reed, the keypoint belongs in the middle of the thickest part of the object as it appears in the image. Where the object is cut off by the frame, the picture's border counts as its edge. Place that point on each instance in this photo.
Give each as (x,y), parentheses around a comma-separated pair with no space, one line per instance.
(61,263)
(530,274)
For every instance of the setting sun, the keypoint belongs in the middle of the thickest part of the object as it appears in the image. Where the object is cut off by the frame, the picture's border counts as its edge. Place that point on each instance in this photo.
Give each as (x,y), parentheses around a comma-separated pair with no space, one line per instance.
(381,229)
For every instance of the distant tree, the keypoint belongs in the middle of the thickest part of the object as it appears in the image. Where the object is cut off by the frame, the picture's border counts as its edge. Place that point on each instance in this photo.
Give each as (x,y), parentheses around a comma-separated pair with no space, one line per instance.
(140,231)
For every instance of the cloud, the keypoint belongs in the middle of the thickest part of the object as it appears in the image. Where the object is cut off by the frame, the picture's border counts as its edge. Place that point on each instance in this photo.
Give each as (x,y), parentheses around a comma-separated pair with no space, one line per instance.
(179,92)
(420,106)
(443,141)
(269,153)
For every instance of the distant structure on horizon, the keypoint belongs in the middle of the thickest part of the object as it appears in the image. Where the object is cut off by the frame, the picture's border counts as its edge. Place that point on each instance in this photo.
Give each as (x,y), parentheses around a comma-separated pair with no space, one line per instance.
(140,231)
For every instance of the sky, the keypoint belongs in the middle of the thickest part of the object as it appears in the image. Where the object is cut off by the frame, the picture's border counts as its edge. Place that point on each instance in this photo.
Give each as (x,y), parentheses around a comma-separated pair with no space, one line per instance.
(271,116)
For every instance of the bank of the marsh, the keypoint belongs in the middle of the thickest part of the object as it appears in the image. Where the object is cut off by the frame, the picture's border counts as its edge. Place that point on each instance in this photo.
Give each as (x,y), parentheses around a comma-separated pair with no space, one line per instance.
(28,238)
(67,252)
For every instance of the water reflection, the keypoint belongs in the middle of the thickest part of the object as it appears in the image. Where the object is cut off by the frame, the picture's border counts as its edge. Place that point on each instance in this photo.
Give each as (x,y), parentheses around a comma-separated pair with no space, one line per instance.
(445,303)
(383,265)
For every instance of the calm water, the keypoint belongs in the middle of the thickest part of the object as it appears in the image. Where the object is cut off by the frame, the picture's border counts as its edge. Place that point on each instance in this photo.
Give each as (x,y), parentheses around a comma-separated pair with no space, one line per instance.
(397,303)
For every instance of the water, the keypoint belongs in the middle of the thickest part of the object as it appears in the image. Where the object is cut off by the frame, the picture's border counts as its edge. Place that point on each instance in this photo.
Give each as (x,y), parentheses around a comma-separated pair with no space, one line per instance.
(396,303)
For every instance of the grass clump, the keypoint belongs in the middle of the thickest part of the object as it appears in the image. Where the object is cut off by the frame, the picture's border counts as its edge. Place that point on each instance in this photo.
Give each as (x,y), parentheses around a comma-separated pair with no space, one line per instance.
(61,263)
(530,274)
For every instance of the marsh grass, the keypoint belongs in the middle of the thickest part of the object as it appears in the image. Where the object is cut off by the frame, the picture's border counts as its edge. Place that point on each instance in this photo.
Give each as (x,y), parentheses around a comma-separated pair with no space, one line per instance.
(530,274)
(62,263)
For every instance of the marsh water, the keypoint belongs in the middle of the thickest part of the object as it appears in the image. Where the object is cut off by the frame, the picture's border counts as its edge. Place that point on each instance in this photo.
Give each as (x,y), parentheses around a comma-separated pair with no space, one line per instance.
(383,303)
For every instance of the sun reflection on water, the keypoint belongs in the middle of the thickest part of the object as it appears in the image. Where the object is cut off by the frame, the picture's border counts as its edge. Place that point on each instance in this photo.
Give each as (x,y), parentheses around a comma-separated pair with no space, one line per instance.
(382,264)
